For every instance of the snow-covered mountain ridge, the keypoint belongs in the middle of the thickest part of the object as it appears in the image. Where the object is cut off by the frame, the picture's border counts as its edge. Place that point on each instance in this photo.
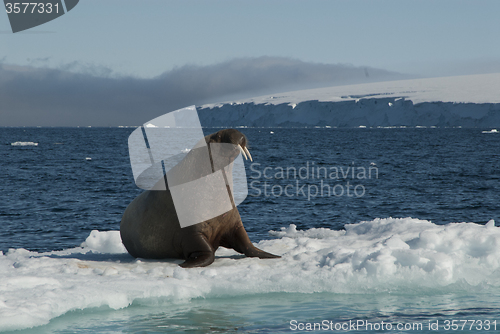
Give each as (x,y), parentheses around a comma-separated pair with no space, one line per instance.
(467,101)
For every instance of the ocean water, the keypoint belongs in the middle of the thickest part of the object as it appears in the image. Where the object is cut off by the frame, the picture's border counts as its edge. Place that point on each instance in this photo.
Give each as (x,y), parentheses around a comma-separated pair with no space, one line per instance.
(376,228)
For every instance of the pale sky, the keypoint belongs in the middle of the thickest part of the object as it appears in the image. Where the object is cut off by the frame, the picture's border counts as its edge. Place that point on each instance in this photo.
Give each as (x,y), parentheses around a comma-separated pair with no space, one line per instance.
(121,62)
(145,38)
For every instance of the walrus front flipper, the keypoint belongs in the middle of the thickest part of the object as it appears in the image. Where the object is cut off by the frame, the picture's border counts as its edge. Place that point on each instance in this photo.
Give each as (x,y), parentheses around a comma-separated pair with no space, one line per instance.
(198,259)
(242,244)
(197,252)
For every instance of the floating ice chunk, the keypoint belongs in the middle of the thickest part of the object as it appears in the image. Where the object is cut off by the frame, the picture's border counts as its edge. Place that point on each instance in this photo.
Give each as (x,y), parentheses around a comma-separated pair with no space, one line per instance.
(104,242)
(318,233)
(24,143)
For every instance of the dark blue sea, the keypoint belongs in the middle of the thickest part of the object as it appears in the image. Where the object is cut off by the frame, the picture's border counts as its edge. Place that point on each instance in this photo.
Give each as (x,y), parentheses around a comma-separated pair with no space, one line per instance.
(53,195)
(311,186)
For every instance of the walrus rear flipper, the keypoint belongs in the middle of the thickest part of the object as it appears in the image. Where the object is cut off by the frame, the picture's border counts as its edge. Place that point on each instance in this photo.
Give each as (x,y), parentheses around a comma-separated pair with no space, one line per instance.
(242,244)
(255,252)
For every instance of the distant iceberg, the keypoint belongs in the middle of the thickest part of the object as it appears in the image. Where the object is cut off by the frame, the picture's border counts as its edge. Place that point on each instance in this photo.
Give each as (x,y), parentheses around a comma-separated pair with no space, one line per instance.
(24,143)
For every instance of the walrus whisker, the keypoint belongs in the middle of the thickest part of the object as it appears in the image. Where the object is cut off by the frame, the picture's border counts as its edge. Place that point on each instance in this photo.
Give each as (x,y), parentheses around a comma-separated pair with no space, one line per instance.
(248,152)
(242,152)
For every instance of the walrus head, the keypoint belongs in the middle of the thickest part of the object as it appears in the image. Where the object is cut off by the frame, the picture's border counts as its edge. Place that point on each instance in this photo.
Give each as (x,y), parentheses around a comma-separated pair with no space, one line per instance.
(224,146)
(234,137)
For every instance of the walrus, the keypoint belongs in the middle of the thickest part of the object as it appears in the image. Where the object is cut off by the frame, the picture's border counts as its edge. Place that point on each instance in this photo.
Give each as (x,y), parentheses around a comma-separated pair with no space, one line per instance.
(150,227)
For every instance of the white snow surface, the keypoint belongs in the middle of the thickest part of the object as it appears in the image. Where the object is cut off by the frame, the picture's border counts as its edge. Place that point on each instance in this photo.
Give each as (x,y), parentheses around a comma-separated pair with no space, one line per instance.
(471,101)
(480,88)
(384,255)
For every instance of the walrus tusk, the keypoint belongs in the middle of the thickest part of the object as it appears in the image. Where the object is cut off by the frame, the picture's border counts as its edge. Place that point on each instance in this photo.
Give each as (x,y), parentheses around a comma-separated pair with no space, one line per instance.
(242,152)
(248,152)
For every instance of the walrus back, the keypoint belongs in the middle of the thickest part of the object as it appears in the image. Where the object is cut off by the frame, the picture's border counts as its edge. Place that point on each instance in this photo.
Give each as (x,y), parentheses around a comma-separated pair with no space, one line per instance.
(150,227)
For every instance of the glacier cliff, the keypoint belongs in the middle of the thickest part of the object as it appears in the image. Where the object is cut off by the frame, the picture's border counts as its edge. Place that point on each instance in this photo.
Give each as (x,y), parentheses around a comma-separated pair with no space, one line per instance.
(382,112)
(467,101)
